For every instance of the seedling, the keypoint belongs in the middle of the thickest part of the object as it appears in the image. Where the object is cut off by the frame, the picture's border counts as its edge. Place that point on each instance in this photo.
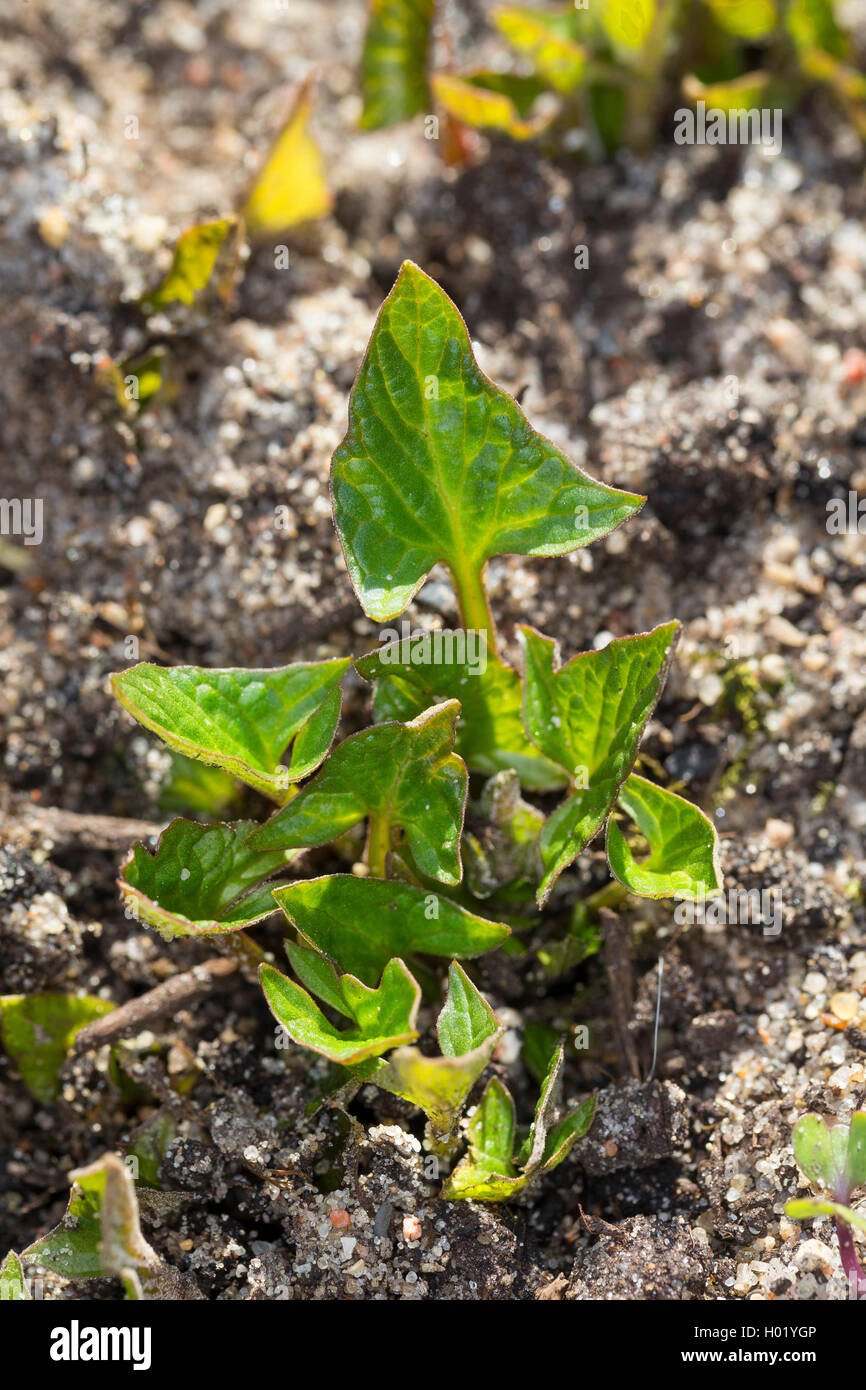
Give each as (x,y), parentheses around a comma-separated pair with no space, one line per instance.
(833,1157)
(438,466)
(612,70)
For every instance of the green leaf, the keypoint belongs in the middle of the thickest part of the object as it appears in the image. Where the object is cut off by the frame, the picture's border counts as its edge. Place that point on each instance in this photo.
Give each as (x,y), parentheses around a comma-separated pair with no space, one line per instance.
(197,255)
(582,940)
(684,851)
(404,774)
(468,1033)
(236,719)
(491,101)
(812,24)
(805,1208)
(361,923)
(394,62)
(490,732)
(539,1046)
(856,1155)
(440,465)
(291,187)
(13,1288)
(822,1153)
(488,1172)
(745,19)
(201,880)
(150,1146)
(38,1030)
(546,41)
(381,1018)
(588,716)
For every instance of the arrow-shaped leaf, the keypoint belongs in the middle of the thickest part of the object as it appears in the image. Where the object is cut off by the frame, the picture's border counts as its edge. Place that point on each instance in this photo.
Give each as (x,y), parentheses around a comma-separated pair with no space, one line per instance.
(588,716)
(490,732)
(381,1018)
(197,257)
(363,922)
(291,187)
(394,62)
(468,1031)
(200,880)
(402,775)
(683,858)
(440,465)
(240,720)
(39,1029)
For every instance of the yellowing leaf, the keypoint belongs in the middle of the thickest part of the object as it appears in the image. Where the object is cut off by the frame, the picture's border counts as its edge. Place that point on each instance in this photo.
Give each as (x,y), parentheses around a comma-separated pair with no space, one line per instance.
(291,187)
(196,258)
(546,41)
(628,23)
(483,108)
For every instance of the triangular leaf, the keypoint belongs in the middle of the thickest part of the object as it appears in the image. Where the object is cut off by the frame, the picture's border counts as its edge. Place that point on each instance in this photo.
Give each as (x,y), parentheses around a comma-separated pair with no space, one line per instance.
(440,465)
(394,62)
(684,849)
(291,187)
(487,1172)
(37,1032)
(490,732)
(381,1018)
(200,879)
(403,774)
(363,922)
(237,719)
(589,716)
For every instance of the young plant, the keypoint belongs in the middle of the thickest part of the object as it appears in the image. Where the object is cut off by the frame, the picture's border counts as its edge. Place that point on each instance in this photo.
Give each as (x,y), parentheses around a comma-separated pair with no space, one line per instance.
(438,466)
(833,1157)
(611,69)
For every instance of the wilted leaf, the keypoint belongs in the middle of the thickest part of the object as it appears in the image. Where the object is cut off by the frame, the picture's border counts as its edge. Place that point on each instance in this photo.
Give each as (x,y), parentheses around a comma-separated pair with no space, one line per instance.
(545,38)
(291,187)
(752,91)
(490,732)
(13,1288)
(440,465)
(491,101)
(381,1018)
(237,719)
(201,253)
(588,716)
(684,848)
(403,774)
(362,923)
(394,62)
(201,880)
(39,1029)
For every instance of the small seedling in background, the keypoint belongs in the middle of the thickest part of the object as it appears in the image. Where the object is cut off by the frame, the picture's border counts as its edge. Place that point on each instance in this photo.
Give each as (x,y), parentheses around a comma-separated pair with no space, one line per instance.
(833,1157)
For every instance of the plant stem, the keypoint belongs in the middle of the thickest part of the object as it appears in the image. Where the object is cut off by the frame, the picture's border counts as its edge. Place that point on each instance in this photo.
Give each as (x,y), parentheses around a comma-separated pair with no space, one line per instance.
(610,896)
(854,1271)
(474,608)
(378,844)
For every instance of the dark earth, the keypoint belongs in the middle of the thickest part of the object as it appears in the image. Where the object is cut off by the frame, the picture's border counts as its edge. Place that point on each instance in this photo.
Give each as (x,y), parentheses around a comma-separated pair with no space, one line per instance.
(711,356)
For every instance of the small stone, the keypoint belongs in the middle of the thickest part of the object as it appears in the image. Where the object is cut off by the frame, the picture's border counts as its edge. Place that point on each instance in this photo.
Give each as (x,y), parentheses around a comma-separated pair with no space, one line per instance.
(411,1228)
(844,1005)
(54,227)
(784,632)
(778,832)
(340,1219)
(815,982)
